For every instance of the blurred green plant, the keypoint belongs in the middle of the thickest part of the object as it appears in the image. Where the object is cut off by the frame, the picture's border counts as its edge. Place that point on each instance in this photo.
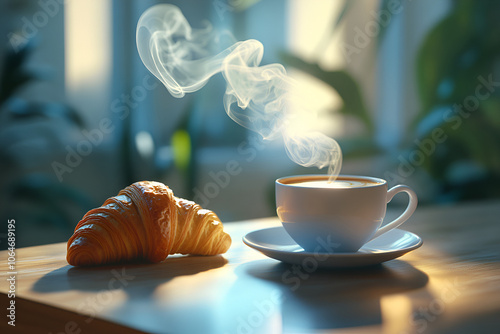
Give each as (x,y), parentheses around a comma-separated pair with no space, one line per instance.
(458,55)
(47,199)
(14,76)
(353,104)
(348,90)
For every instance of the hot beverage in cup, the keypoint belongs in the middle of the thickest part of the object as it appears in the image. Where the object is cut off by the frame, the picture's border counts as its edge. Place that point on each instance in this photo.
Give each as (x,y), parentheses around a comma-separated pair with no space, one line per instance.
(341,182)
(345,213)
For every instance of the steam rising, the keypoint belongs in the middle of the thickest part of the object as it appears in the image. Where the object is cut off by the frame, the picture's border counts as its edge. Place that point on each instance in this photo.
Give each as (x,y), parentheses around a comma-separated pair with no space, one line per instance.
(257,97)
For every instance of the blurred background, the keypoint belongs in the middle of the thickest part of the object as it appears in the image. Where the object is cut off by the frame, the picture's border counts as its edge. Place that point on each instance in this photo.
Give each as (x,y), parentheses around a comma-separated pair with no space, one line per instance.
(410,89)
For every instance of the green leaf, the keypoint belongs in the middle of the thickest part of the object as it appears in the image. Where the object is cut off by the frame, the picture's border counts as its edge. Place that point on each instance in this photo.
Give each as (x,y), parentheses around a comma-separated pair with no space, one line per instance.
(437,58)
(342,82)
(13,74)
(459,49)
(22,109)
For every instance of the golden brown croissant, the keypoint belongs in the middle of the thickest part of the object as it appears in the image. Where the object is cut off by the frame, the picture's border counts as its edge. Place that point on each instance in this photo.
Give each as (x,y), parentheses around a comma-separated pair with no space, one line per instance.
(145,222)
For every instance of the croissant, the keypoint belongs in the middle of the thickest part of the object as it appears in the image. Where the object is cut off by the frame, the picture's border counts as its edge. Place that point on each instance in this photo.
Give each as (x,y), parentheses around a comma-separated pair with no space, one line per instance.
(145,222)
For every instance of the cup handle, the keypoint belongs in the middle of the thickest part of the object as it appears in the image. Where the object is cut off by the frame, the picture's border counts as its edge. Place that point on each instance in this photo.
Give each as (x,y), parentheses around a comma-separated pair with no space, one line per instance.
(412,205)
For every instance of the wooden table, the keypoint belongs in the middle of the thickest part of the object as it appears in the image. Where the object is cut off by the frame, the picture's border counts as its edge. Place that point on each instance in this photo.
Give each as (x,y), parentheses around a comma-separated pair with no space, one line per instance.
(449,285)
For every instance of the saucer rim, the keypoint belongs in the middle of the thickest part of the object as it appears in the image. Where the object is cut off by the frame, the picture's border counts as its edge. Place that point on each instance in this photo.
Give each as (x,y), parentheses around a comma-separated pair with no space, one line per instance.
(398,251)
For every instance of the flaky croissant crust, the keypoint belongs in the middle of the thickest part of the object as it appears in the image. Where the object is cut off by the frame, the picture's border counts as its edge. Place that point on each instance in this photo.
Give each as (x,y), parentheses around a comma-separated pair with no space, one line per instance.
(145,221)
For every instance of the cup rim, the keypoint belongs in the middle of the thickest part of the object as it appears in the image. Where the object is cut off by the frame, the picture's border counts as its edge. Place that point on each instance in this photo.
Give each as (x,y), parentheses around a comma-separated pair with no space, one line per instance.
(379,182)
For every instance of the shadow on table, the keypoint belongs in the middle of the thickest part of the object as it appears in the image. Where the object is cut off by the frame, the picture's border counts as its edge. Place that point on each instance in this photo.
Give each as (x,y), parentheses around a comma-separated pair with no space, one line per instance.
(327,299)
(135,279)
(106,288)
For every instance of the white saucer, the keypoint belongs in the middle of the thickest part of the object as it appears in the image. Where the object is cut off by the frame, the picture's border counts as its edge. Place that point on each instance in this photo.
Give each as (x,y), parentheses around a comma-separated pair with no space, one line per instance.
(277,244)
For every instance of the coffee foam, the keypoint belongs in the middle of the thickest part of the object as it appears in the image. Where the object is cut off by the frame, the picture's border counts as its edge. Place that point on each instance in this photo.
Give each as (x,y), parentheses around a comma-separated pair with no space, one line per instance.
(351,183)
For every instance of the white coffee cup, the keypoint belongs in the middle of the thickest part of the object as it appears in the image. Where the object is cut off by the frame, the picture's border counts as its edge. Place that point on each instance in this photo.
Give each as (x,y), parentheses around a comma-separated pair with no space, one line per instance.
(346,213)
